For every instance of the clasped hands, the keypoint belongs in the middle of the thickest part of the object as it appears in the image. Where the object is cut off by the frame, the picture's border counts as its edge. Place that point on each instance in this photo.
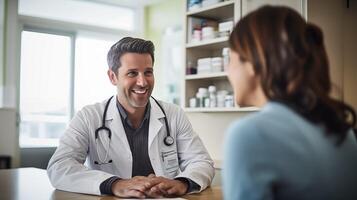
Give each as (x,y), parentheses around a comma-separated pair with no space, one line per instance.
(150,186)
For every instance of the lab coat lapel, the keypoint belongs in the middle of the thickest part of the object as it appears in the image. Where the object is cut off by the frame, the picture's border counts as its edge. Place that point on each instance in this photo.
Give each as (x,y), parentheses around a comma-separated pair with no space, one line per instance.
(155,123)
(115,124)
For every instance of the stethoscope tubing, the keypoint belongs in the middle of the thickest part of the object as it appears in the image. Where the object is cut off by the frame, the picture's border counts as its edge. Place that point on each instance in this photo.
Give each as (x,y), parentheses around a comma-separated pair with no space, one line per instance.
(168,140)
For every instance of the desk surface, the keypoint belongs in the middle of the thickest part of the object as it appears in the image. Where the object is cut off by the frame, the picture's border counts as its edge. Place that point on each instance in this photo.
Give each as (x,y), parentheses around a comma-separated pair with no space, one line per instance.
(33,183)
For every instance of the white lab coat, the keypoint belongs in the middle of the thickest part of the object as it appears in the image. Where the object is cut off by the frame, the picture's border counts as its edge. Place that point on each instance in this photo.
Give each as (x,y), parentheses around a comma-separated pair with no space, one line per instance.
(67,170)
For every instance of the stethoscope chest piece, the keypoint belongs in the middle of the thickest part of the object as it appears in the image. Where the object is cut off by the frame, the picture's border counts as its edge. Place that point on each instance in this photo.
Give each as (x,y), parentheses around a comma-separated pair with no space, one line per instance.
(169,140)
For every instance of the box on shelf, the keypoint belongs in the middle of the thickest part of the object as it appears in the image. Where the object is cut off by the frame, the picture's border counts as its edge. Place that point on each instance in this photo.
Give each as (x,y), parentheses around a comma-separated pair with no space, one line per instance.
(225,28)
(209,2)
(200,29)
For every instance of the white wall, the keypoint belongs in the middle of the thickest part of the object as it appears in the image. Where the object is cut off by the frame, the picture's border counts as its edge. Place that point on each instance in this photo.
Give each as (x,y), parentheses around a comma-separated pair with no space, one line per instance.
(211,129)
(2,16)
(9,141)
(12,56)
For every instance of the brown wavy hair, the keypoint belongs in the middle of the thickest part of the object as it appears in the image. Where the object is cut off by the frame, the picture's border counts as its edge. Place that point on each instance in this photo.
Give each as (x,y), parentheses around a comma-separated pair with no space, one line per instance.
(289,56)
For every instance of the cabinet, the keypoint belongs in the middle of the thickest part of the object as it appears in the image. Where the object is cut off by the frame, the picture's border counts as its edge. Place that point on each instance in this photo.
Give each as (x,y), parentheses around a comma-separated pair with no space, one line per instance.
(207,45)
(299,5)
(203,45)
(211,123)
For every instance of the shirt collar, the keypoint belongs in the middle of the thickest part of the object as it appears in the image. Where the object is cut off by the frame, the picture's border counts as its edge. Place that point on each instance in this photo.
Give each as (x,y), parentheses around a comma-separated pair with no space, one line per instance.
(124,114)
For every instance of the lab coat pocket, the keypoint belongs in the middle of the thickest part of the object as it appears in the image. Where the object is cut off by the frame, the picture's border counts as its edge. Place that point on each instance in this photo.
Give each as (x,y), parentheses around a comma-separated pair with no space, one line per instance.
(170,163)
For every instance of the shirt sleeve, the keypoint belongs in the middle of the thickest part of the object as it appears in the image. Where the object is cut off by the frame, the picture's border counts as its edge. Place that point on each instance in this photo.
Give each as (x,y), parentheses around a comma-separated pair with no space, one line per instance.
(192,185)
(106,186)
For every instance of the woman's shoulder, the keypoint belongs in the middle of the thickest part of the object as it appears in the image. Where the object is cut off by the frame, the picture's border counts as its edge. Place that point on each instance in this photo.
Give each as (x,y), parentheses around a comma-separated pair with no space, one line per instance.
(273,120)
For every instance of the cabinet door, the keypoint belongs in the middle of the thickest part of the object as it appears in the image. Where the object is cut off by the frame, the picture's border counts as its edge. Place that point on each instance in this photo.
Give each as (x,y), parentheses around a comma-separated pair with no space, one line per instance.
(250,5)
(349,54)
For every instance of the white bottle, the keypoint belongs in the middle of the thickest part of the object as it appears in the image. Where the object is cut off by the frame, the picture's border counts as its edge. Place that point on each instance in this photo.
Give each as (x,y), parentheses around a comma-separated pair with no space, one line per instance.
(225,54)
(212,96)
(203,94)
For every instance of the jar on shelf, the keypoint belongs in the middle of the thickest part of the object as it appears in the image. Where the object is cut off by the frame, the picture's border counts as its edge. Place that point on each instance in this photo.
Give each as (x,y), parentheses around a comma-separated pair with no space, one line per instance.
(225,54)
(194,4)
(202,95)
(193,102)
(216,64)
(229,101)
(221,97)
(190,68)
(212,96)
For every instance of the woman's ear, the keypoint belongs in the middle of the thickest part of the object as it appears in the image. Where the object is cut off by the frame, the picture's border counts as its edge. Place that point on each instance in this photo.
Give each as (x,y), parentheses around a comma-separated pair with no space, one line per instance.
(112,77)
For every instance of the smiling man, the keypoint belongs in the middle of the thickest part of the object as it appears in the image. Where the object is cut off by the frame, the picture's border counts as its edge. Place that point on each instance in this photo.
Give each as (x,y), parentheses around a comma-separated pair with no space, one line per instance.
(131,145)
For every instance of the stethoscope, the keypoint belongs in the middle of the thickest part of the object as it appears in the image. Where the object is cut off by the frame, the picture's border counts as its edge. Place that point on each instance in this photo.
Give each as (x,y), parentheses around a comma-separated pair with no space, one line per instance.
(168,140)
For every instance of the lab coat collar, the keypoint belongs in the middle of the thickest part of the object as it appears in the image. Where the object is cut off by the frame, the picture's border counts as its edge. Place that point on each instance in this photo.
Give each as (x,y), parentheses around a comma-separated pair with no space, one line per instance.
(114,122)
(155,115)
(155,124)
(155,111)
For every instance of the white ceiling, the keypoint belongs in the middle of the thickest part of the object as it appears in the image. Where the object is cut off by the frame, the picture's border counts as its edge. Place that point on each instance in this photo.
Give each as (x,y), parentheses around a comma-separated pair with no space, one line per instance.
(127,3)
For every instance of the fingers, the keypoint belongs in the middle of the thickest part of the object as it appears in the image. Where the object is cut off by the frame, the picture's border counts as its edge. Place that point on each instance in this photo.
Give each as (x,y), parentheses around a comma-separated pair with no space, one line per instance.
(174,191)
(135,194)
(139,186)
(154,193)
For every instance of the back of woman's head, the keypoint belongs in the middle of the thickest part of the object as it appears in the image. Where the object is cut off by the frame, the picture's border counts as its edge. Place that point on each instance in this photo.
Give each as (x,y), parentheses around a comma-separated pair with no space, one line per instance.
(289,56)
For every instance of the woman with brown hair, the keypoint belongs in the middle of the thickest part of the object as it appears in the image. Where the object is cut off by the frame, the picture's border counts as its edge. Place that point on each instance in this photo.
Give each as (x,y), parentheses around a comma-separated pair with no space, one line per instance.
(301,144)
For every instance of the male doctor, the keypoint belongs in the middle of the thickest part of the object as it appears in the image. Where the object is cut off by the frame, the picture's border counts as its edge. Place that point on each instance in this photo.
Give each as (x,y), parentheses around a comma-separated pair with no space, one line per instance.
(131,145)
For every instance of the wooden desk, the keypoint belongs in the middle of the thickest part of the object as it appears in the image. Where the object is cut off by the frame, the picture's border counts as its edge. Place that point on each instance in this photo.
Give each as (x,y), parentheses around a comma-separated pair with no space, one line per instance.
(33,183)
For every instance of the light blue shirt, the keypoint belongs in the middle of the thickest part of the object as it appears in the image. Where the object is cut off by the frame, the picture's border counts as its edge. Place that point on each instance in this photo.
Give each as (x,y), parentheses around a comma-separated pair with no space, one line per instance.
(277,154)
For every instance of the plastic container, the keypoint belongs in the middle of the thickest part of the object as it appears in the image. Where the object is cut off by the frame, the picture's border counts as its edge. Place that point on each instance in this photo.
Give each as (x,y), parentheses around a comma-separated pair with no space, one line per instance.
(229,101)
(194,4)
(217,64)
(225,54)
(212,96)
(193,102)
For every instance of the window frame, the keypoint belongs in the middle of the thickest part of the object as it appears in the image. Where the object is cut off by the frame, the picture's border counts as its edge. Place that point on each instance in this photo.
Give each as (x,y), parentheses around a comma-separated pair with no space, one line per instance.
(49,26)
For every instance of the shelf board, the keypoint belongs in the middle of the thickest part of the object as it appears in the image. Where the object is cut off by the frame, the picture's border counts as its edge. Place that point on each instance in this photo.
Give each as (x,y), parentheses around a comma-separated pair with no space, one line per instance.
(215,43)
(222,10)
(234,109)
(208,75)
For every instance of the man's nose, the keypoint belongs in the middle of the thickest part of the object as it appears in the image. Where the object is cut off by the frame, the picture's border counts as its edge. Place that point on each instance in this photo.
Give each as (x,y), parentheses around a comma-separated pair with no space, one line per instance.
(141,80)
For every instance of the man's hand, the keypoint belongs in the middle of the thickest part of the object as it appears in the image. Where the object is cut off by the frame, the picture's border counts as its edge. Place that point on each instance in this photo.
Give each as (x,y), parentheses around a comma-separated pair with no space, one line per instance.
(167,187)
(136,187)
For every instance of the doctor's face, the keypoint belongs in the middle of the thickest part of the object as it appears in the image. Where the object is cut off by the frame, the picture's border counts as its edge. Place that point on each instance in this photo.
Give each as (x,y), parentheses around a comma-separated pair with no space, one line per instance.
(134,80)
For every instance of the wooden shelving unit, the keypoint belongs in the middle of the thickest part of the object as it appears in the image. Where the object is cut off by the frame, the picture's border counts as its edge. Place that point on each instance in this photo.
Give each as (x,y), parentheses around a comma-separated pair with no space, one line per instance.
(220,12)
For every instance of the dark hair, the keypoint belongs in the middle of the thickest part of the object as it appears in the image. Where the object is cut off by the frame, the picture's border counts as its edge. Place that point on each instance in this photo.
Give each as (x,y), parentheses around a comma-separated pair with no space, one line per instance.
(289,56)
(128,45)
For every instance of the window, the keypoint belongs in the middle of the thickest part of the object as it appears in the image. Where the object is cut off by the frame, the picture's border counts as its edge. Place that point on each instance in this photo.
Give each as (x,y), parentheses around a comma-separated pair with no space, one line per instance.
(91,81)
(61,73)
(44,87)
(46,101)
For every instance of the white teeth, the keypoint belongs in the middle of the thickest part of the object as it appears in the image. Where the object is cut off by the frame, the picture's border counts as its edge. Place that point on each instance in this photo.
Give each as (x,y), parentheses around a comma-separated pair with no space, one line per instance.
(139,91)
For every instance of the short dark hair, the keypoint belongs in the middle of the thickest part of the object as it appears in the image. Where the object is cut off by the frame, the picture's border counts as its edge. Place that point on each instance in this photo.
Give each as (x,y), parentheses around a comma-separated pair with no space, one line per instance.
(128,45)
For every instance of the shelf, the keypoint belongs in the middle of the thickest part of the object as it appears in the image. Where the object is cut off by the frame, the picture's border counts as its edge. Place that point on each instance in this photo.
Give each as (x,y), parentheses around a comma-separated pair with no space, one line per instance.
(216,43)
(234,109)
(217,75)
(219,11)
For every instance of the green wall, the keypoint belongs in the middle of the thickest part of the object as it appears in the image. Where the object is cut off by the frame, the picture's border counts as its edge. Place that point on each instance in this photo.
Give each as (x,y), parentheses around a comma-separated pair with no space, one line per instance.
(158,17)
(2,52)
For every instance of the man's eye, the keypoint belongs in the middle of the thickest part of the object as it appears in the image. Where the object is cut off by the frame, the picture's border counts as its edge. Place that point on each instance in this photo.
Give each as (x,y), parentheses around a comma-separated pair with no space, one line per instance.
(149,73)
(132,74)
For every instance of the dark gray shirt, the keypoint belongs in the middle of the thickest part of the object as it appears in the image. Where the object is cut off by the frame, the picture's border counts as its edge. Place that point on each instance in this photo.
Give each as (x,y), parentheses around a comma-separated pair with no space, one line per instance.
(138,142)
